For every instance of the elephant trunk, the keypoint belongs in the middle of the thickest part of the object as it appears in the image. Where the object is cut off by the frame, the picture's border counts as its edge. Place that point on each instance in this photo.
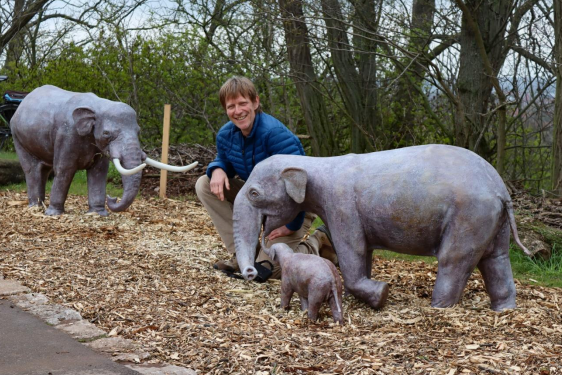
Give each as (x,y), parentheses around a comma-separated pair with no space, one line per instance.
(130,155)
(247,227)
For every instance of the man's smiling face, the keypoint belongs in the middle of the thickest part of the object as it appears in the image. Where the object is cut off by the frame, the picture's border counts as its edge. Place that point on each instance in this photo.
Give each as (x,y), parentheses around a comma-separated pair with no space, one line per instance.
(242,112)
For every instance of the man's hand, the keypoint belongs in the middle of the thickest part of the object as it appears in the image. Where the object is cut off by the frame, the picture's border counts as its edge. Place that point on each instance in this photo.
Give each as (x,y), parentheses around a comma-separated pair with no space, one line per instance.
(280,232)
(219,180)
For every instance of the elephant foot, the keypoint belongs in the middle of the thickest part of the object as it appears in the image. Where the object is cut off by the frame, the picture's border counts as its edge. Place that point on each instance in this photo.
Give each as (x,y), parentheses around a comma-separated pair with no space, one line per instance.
(53,211)
(313,315)
(99,211)
(372,292)
(507,304)
(34,203)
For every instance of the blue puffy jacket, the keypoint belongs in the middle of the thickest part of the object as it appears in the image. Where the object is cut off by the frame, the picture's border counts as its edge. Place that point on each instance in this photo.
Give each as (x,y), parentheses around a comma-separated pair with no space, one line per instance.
(238,155)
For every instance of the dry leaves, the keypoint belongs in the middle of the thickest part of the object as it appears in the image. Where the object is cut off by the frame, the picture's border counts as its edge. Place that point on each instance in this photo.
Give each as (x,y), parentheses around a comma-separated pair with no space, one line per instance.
(146,275)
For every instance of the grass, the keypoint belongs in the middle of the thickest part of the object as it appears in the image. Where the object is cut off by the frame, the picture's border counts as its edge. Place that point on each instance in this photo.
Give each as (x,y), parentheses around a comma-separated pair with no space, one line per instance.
(386,254)
(536,270)
(8,155)
(79,185)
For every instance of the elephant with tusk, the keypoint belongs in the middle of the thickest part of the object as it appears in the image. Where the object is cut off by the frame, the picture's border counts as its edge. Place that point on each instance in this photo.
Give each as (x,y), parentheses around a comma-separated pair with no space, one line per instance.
(431,200)
(62,131)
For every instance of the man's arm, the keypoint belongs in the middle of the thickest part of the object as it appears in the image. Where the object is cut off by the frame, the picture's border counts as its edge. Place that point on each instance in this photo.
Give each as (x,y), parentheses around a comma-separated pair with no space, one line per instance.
(220,170)
(219,181)
(280,232)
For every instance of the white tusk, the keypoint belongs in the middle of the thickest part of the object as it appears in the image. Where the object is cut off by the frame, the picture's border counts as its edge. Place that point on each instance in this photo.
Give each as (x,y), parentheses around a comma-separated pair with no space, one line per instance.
(127,172)
(170,168)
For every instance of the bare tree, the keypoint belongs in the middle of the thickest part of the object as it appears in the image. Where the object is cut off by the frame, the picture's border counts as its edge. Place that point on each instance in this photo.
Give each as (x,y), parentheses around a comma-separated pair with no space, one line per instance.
(304,76)
(413,70)
(16,16)
(557,138)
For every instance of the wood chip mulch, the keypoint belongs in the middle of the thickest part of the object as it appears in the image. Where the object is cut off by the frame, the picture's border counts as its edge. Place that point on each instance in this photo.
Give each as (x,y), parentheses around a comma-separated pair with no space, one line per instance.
(146,275)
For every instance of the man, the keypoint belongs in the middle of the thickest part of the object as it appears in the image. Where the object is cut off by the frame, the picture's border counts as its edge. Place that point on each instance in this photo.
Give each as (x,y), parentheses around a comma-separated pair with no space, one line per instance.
(248,138)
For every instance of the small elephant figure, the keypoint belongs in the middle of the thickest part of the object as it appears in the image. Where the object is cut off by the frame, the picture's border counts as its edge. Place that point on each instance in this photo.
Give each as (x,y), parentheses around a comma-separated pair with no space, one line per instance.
(55,129)
(315,279)
(432,200)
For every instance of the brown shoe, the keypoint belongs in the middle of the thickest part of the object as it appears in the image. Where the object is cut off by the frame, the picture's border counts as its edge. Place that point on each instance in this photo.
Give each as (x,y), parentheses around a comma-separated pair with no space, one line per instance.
(229,265)
(324,236)
(327,249)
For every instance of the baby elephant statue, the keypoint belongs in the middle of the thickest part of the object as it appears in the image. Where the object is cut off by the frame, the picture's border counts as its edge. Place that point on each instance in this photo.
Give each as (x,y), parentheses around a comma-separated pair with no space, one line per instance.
(431,200)
(315,279)
(64,131)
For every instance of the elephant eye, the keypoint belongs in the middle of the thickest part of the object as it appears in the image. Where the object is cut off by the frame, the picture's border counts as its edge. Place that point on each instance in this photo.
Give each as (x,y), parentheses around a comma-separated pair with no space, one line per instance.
(254,193)
(106,133)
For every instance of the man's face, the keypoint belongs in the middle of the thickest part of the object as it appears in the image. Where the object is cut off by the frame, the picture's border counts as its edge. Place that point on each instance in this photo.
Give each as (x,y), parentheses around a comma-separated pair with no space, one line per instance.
(242,112)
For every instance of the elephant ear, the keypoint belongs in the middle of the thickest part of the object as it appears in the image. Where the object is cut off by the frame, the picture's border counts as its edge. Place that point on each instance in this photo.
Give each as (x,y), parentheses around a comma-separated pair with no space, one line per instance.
(295,183)
(84,120)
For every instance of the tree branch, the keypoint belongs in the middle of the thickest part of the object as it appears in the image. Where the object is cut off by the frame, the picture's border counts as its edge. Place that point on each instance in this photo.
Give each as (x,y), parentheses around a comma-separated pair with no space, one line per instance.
(528,55)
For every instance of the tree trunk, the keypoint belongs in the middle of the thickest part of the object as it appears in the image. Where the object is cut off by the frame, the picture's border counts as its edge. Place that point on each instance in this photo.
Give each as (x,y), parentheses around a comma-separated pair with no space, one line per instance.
(557,139)
(302,71)
(11,172)
(366,24)
(346,72)
(15,46)
(407,99)
(474,79)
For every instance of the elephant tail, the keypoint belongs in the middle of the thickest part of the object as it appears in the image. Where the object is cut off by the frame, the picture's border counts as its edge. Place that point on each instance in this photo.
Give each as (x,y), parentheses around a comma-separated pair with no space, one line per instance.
(335,293)
(511,217)
(336,284)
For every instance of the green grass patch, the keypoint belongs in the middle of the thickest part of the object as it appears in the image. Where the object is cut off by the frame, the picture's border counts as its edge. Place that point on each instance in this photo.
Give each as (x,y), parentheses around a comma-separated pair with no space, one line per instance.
(79,185)
(537,271)
(387,254)
(6,155)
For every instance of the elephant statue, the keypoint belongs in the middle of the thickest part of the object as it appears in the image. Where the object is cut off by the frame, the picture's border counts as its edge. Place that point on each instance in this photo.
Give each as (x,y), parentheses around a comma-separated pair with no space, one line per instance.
(432,200)
(316,280)
(55,129)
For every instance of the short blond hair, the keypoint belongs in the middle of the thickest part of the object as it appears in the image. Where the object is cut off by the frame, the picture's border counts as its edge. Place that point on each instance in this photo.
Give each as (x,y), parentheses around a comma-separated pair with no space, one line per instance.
(235,86)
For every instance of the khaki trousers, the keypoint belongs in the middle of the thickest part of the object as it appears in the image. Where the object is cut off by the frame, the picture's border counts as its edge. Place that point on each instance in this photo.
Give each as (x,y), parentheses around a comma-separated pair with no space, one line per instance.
(221,213)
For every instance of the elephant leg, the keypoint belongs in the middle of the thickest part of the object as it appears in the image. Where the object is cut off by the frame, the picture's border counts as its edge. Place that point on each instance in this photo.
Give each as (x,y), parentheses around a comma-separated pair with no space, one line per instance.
(369,263)
(36,174)
(336,309)
(304,303)
(59,190)
(97,180)
(316,296)
(353,265)
(461,249)
(450,283)
(496,272)
(286,295)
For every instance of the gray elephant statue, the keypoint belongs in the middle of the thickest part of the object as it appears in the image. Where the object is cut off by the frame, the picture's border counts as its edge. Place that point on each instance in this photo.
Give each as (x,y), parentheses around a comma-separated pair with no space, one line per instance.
(432,200)
(316,280)
(64,131)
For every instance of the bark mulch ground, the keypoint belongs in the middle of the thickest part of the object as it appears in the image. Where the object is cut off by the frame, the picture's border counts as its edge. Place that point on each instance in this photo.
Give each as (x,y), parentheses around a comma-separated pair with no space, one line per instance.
(146,274)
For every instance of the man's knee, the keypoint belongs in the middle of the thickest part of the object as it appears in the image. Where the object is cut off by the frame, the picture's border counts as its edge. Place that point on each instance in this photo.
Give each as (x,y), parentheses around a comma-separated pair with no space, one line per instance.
(203,185)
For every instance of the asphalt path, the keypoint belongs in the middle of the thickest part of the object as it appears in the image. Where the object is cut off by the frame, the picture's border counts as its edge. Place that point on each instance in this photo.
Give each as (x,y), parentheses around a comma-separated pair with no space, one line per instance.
(29,346)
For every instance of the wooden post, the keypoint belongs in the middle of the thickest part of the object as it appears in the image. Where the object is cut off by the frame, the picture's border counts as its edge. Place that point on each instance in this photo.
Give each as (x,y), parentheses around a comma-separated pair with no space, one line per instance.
(165,143)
